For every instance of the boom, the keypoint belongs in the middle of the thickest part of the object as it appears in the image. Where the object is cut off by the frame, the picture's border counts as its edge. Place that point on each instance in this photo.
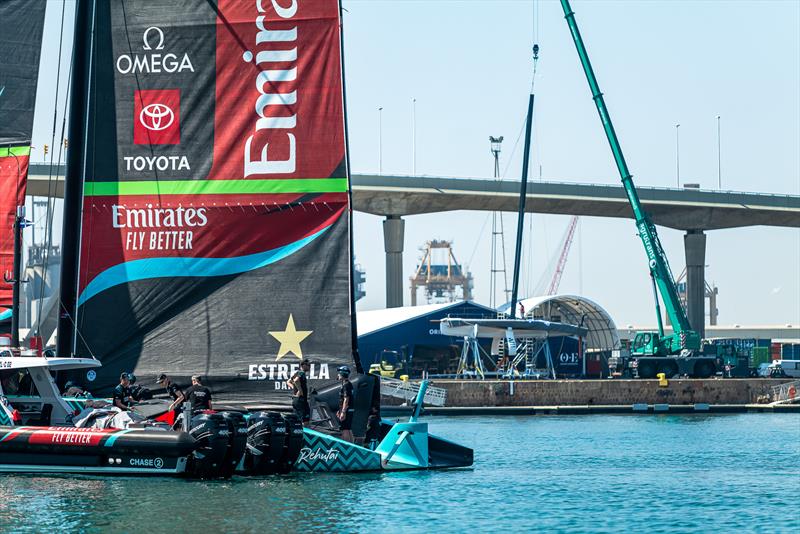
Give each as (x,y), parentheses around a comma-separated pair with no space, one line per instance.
(684,337)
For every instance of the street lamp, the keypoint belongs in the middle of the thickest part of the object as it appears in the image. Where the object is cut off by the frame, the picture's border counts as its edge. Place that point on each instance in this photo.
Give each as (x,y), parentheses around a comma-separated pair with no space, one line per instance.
(678,153)
(414,136)
(494,146)
(719,155)
(380,140)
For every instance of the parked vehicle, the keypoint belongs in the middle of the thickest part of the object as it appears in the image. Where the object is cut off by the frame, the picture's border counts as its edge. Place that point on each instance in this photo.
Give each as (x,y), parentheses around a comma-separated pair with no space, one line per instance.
(780,369)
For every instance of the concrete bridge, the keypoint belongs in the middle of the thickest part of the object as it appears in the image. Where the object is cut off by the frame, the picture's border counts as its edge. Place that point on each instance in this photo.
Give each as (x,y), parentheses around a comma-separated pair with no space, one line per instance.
(694,211)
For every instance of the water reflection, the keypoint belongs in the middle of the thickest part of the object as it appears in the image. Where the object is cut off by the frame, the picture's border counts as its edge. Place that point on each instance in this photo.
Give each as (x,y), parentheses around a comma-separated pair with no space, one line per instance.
(555,472)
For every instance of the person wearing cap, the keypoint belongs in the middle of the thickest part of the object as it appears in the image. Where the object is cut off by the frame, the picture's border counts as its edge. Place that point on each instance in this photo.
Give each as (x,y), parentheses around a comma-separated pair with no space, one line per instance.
(345,413)
(199,395)
(121,396)
(174,392)
(299,384)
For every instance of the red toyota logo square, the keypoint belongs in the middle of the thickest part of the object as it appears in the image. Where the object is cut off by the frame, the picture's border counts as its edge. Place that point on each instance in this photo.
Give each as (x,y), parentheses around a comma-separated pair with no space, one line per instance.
(156,117)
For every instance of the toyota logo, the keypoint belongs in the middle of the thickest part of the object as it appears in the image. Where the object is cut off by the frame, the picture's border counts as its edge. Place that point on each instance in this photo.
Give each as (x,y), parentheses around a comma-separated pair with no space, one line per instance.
(156,117)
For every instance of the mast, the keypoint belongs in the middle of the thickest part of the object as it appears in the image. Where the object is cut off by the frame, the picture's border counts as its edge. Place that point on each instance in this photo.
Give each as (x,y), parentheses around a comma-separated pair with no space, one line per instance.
(523,191)
(73,181)
(353,325)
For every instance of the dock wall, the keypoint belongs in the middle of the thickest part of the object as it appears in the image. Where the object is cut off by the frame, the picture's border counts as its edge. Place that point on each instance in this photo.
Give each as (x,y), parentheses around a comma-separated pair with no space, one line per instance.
(475,393)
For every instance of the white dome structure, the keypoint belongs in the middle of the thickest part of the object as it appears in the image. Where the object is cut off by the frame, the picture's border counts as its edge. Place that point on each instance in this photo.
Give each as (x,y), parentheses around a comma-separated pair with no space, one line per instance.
(575,310)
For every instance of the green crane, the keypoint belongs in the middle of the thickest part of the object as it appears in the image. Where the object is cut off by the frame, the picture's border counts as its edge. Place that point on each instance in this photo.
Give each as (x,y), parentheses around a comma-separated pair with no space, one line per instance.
(653,352)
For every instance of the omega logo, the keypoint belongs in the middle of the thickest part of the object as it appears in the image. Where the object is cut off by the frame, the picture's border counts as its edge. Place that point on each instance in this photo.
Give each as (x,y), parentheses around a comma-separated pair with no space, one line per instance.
(146,38)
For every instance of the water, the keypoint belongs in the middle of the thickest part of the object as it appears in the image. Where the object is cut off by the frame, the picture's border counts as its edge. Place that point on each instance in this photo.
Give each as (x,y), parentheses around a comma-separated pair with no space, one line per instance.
(574,473)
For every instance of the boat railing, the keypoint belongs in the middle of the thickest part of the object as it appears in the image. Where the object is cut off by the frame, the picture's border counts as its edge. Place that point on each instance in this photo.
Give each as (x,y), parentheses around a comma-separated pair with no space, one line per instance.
(408,391)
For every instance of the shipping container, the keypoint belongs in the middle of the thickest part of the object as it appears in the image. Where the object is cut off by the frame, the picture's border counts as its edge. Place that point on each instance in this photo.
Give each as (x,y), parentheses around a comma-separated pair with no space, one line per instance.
(743,346)
(760,355)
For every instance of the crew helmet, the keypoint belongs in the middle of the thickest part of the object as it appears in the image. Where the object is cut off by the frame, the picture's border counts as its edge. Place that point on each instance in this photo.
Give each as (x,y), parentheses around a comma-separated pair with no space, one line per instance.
(344,371)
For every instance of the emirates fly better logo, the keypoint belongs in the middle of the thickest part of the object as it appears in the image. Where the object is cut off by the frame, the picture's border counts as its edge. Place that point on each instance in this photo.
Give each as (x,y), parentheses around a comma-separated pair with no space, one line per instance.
(156,117)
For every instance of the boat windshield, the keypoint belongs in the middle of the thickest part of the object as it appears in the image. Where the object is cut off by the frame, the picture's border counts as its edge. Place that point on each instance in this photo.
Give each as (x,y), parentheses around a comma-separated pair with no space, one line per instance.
(18,382)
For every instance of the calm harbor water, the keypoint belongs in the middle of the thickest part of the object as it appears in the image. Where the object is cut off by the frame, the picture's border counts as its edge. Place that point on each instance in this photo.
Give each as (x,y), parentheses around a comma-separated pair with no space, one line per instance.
(575,473)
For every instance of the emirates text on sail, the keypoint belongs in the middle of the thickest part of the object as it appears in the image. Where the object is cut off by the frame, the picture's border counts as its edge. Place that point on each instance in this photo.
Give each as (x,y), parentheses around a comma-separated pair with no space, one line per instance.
(266,81)
(163,220)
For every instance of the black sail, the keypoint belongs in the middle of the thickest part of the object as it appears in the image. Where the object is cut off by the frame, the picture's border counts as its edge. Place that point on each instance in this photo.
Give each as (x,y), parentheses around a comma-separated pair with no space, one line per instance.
(21,30)
(215,228)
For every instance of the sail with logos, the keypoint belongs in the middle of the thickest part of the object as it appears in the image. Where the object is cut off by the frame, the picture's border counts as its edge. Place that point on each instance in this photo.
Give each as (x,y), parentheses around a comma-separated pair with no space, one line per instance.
(21,30)
(210,215)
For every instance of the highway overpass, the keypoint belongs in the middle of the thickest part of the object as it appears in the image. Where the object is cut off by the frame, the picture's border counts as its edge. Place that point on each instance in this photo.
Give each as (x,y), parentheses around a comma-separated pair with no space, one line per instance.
(693,211)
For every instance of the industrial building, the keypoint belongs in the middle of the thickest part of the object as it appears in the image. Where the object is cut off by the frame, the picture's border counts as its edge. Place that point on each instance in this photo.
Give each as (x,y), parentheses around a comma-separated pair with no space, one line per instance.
(411,334)
(602,336)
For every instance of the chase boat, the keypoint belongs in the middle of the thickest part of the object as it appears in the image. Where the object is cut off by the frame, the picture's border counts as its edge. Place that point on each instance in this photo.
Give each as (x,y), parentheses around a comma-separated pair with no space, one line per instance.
(43,432)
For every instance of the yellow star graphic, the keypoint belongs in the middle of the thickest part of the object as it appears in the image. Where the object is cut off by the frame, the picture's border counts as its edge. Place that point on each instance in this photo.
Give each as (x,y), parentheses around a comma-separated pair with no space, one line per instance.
(290,339)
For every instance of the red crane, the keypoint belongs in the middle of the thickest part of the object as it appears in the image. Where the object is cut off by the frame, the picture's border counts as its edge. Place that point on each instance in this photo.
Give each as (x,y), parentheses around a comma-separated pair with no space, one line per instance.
(562,259)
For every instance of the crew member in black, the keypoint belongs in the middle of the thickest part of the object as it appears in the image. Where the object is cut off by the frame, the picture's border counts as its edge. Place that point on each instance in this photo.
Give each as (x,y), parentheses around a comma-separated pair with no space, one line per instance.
(199,395)
(174,392)
(345,413)
(121,397)
(299,384)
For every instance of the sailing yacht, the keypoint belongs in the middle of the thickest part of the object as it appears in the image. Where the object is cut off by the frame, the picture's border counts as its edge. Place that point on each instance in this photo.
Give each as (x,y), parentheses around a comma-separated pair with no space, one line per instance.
(208,231)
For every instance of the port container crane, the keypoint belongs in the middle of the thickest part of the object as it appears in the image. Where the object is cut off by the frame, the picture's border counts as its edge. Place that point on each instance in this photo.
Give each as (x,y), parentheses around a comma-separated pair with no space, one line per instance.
(679,352)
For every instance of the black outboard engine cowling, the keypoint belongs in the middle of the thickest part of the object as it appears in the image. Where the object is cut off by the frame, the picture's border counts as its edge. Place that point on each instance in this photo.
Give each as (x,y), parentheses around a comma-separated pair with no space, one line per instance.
(211,432)
(237,426)
(294,442)
(266,438)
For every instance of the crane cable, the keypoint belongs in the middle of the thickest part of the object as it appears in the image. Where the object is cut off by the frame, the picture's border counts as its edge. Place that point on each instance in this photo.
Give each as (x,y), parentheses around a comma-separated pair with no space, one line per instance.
(527,279)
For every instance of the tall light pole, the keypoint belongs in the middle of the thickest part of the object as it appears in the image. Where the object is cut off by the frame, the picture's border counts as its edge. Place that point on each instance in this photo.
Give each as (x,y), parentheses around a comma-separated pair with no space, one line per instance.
(678,153)
(719,154)
(497,234)
(414,136)
(380,140)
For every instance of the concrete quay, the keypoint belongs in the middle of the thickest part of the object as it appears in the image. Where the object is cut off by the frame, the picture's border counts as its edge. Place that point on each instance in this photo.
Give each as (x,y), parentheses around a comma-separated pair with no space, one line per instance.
(469,397)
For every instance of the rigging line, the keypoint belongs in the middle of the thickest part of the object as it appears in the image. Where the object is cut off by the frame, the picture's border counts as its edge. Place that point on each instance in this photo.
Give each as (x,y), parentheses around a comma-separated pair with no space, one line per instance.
(92,111)
(77,330)
(50,199)
(478,240)
(513,150)
(91,80)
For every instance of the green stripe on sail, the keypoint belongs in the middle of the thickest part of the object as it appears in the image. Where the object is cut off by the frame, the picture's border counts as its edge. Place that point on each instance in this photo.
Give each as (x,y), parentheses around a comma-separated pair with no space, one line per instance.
(15,151)
(216,187)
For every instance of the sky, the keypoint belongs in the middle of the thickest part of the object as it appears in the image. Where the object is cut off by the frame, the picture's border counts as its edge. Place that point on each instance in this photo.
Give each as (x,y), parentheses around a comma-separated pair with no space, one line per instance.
(659,63)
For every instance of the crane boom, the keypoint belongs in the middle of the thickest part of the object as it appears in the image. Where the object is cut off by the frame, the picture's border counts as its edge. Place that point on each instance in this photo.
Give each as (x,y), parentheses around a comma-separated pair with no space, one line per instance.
(683,337)
(562,258)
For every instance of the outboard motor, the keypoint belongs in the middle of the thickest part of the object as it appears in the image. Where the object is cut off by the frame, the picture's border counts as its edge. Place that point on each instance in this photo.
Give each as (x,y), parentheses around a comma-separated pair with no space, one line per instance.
(237,426)
(210,431)
(294,442)
(266,437)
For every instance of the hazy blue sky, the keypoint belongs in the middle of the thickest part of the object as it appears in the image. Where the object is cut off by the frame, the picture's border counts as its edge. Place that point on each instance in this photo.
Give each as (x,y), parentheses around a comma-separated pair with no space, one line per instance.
(658,63)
